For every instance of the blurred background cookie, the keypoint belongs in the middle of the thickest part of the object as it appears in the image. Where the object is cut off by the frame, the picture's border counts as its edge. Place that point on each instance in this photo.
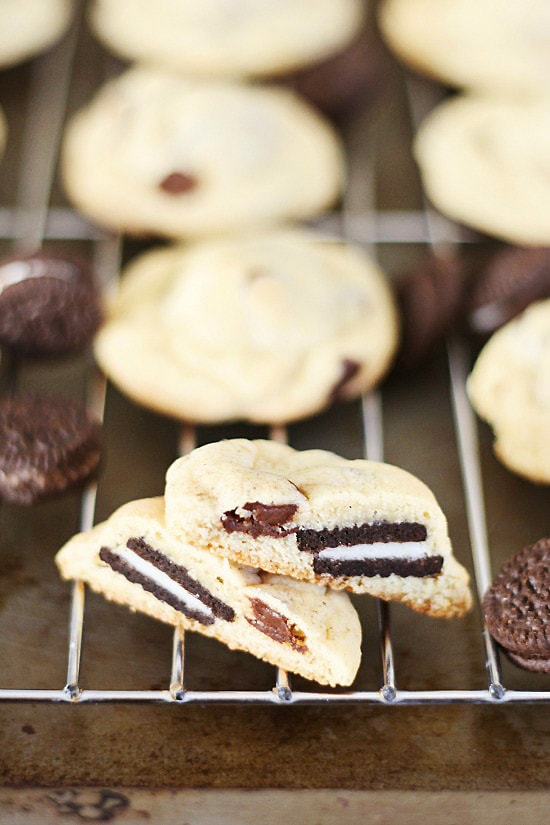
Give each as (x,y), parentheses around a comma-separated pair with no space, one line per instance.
(227,38)
(47,446)
(510,388)
(346,82)
(430,299)
(3,132)
(516,607)
(159,153)
(485,161)
(512,279)
(28,27)
(270,328)
(479,44)
(49,304)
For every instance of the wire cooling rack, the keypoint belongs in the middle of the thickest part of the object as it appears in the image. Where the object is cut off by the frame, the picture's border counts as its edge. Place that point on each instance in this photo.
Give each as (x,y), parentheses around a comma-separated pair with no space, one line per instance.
(31,221)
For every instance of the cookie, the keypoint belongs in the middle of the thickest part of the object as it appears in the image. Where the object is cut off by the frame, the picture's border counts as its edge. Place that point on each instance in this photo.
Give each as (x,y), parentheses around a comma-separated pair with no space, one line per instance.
(483,162)
(3,132)
(430,299)
(494,46)
(131,559)
(269,327)
(47,446)
(510,388)
(344,84)
(358,525)
(49,304)
(516,607)
(227,37)
(161,153)
(513,279)
(28,27)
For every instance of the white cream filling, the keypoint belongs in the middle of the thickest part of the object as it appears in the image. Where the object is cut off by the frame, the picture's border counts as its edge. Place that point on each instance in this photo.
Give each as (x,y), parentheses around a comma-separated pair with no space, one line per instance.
(377,550)
(163,580)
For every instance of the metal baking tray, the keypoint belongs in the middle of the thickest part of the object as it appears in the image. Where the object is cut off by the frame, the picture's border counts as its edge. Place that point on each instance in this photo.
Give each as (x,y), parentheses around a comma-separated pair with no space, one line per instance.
(422,422)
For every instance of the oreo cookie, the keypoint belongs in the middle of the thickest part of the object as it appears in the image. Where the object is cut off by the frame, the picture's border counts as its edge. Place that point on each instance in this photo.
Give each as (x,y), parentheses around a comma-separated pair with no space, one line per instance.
(430,299)
(49,304)
(514,278)
(516,607)
(346,82)
(47,446)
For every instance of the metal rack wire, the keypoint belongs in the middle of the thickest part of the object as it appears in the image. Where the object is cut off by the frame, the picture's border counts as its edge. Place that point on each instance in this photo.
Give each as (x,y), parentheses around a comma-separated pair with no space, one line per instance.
(30,222)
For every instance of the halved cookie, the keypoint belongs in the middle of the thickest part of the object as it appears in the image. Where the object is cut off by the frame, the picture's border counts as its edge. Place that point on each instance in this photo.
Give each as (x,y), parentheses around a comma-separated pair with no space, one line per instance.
(133,560)
(364,526)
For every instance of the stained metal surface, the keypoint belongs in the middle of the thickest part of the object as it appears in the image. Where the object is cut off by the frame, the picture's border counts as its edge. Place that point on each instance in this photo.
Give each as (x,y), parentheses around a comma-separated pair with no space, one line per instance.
(130,657)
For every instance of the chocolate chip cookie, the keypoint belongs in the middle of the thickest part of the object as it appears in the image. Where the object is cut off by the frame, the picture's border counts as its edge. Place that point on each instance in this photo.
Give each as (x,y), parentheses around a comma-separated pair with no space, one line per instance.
(267,327)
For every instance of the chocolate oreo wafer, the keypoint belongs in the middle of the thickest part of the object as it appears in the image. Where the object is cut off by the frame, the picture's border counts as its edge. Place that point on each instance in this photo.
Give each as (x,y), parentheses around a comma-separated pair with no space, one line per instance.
(345,82)
(430,298)
(514,278)
(49,304)
(516,607)
(47,445)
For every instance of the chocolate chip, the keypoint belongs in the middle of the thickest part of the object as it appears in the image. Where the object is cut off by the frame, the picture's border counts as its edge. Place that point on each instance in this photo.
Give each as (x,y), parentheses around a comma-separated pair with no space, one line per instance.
(313,541)
(512,280)
(178,183)
(49,304)
(430,299)
(276,626)
(259,519)
(350,369)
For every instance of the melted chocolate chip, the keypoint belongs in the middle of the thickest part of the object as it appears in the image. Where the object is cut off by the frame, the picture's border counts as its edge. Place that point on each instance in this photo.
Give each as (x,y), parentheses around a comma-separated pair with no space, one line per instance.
(178,183)
(259,519)
(312,541)
(276,626)
(177,573)
(350,369)
(427,566)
